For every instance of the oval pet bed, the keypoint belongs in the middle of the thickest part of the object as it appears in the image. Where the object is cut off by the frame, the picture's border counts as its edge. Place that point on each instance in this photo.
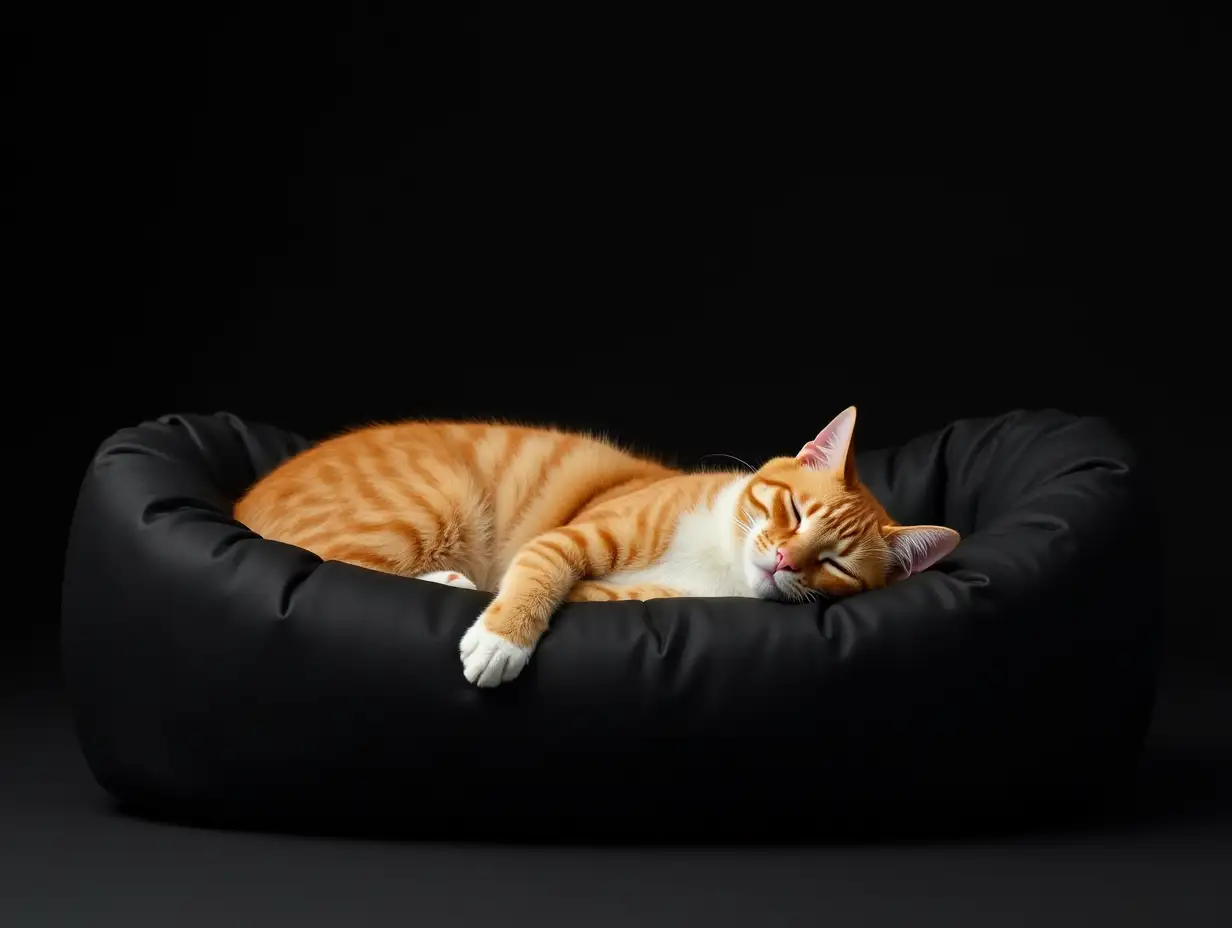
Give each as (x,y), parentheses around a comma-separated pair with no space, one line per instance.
(218,676)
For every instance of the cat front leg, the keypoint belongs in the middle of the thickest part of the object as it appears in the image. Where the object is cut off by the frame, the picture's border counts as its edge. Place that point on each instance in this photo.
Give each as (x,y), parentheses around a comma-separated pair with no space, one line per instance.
(590,591)
(498,646)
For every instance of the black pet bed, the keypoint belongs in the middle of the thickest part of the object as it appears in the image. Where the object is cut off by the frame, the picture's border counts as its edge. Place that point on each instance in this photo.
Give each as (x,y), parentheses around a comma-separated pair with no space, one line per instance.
(219,677)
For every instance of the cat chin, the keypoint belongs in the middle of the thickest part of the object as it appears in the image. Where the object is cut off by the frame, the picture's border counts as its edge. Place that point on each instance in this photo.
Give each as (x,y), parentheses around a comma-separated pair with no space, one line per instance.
(762,586)
(773,594)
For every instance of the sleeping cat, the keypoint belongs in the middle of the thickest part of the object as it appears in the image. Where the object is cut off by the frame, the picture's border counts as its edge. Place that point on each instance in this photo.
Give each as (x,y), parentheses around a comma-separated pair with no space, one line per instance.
(540,517)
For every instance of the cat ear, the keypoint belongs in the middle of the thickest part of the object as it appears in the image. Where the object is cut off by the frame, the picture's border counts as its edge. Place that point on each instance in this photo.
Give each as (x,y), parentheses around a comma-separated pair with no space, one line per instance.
(831,449)
(918,547)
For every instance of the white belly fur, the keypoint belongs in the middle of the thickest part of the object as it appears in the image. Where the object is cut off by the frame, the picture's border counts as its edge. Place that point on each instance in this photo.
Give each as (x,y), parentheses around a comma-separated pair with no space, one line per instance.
(702,559)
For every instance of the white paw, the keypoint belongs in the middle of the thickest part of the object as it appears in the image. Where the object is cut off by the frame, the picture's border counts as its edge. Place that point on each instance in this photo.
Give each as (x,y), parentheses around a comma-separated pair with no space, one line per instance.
(488,659)
(449,578)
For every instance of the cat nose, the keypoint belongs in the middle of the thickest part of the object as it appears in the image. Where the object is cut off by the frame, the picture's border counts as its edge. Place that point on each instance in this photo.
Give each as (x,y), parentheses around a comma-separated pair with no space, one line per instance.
(782,561)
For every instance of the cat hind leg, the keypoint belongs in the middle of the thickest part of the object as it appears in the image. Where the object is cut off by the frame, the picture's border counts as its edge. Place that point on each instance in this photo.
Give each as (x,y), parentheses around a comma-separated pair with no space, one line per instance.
(448,578)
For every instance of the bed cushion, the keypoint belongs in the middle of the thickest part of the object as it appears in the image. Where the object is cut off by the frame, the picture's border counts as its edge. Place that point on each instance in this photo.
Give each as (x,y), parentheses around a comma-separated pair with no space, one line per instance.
(217,676)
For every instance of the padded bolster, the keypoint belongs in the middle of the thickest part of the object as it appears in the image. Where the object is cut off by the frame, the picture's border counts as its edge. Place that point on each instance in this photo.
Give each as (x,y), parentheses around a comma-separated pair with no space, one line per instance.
(217,674)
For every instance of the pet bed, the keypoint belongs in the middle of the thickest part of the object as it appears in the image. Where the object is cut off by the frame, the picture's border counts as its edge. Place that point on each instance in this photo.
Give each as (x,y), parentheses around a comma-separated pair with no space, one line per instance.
(218,676)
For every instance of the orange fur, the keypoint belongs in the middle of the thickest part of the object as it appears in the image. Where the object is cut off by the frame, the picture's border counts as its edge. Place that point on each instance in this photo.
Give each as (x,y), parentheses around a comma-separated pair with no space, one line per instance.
(540,516)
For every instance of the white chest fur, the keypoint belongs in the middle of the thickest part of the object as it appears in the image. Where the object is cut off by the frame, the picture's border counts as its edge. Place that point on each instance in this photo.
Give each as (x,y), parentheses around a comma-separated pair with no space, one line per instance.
(703,557)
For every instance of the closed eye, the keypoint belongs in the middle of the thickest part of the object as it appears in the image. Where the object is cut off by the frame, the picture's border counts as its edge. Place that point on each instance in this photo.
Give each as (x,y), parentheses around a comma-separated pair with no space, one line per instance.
(831,562)
(794,511)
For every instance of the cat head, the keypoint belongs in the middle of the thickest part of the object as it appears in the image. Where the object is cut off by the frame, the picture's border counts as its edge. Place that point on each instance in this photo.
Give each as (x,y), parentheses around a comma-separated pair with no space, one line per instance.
(809,527)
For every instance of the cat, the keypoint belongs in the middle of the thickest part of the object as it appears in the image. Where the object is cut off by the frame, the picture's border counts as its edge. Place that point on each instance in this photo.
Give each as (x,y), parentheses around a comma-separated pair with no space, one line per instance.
(540,516)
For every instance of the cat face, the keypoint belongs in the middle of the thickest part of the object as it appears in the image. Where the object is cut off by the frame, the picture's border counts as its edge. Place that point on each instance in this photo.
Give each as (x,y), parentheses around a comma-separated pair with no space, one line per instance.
(809,528)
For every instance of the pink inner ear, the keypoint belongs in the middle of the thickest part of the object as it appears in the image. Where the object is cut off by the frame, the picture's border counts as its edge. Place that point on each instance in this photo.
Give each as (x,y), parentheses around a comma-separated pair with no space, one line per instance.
(828,451)
(918,548)
(815,456)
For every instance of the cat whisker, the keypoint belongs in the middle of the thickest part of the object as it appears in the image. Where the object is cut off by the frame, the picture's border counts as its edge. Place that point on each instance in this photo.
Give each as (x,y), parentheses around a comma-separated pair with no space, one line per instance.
(744,521)
(719,454)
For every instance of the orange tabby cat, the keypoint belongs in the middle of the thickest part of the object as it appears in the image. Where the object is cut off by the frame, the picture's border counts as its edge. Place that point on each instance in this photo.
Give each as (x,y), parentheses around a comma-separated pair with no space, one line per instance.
(540,516)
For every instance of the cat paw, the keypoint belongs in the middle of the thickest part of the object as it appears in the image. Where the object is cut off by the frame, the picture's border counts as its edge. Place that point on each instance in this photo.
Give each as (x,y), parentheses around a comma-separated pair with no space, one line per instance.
(449,578)
(488,659)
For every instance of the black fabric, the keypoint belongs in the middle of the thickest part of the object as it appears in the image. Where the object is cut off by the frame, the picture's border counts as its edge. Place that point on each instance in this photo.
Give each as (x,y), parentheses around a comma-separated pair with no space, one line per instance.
(215,675)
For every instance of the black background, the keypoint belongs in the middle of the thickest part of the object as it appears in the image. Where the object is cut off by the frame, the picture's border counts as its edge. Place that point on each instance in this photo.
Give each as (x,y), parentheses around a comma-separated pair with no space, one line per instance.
(699,235)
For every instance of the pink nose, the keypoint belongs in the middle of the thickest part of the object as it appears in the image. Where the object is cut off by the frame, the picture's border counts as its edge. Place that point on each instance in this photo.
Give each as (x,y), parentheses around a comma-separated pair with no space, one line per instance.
(782,561)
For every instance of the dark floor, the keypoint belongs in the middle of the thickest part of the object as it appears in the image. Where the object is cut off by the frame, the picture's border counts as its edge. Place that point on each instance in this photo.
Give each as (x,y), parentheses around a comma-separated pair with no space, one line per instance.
(73,859)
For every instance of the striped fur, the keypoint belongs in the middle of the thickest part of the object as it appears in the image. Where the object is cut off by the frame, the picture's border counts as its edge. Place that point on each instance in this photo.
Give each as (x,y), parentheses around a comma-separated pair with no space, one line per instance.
(540,516)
